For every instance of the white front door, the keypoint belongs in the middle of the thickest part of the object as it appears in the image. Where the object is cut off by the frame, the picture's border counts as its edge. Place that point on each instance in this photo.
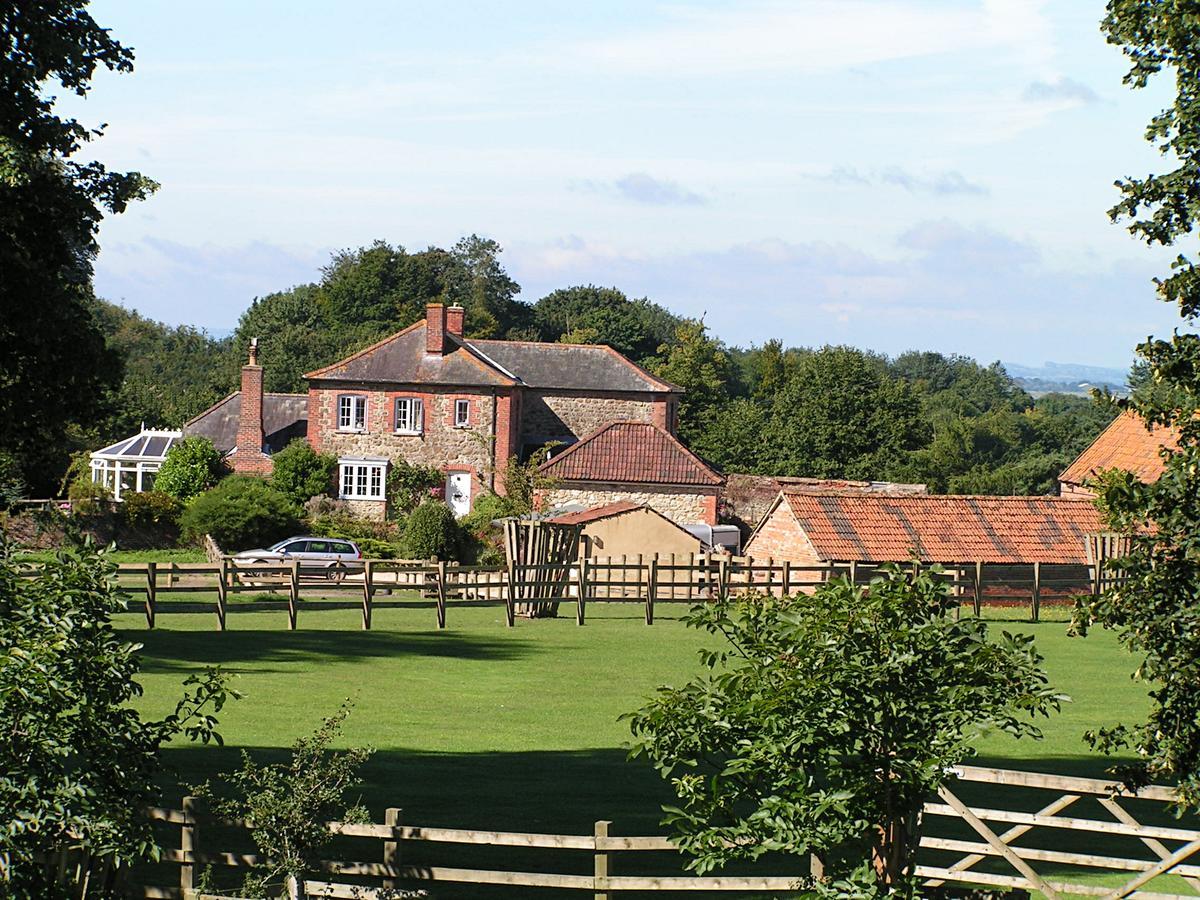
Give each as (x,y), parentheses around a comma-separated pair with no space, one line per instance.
(458,492)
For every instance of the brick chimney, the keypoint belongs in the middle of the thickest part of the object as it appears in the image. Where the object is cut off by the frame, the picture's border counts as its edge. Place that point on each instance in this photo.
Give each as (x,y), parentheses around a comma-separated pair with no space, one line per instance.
(454,320)
(435,328)
(249,456)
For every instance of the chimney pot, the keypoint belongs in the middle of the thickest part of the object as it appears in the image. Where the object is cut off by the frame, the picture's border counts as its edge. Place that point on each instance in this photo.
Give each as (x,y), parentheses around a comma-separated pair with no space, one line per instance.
(253,352)
(454,320)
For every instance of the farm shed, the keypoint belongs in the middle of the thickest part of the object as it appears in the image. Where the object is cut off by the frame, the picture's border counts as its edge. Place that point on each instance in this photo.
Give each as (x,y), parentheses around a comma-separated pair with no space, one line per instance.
(1125,444)
(627,528)
(806,527)
(635,462)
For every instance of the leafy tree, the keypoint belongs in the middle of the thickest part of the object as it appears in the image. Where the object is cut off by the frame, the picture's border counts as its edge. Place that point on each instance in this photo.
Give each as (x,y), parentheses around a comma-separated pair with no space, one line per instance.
(241,512)
(841,416)
(596,315)
(78,764)
(479,284)
(287,805)
(431,531)
(193,465)
(54,366)
(1154,611)
(702,367)
(823,722)
(300,473)
(524,482)
(733,438)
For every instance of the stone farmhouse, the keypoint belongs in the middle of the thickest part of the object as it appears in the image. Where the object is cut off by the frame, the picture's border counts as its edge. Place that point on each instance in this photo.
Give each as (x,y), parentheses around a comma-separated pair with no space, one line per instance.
(430,396)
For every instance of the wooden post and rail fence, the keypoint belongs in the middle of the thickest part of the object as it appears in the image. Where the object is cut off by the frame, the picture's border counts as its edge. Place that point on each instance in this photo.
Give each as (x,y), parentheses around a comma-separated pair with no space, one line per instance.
(1022,830)
(529,589)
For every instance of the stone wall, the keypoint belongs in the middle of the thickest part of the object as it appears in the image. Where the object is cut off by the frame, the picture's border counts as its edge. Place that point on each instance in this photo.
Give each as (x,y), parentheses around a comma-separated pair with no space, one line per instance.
(683,506)
(571,415)
(441,444)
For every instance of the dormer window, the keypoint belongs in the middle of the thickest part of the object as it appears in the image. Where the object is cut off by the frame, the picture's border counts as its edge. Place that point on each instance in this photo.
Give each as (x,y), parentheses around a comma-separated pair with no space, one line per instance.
(410,415)
(462,413)
(352,412)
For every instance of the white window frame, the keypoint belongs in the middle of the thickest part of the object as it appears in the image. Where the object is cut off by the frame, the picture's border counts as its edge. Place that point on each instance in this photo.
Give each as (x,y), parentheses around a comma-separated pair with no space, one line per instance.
(352,413)
(465,420)
(414,414)
(362,479)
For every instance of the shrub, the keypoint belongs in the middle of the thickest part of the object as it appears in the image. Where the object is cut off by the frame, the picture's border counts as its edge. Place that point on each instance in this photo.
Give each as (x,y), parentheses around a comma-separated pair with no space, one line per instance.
(408,486)
(483,543)
(192,466)
(301,472)
(87,497)
(241,511)
(523,481)
(12,482)
(149,509)
(431,532)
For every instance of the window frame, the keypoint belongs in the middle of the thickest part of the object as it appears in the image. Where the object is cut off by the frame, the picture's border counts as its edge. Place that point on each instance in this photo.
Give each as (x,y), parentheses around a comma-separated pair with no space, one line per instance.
(362,479)
(462,403)
(357,404)
(415,415)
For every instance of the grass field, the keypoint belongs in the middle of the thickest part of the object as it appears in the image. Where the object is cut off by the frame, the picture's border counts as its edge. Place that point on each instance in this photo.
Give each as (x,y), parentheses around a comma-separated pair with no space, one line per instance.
(485,726)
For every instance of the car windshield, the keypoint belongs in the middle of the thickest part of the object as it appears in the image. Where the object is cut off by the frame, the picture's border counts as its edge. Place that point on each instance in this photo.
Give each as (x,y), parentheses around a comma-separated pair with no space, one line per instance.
(280,545)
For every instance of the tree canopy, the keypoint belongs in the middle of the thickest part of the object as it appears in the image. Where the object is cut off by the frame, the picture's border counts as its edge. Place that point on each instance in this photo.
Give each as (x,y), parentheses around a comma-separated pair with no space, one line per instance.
(1154,610)
(55,368)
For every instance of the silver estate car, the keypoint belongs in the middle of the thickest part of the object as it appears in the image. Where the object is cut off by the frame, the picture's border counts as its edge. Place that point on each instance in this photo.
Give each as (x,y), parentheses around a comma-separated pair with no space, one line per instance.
(328,557)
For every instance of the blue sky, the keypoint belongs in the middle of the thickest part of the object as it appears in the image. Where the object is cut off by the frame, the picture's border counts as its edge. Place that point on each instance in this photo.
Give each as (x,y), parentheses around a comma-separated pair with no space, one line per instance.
(883,173)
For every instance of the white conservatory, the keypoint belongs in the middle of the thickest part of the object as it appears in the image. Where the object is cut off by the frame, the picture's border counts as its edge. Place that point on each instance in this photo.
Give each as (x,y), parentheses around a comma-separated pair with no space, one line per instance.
(130,465)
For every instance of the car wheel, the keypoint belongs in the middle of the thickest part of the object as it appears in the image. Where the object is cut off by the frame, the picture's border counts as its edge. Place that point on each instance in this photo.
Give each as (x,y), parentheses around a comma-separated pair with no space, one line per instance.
(335,573)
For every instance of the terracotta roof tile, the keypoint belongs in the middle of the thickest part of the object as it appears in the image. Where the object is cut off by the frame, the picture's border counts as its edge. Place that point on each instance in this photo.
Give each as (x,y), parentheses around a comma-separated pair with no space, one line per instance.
(1125,444)
(636,452)
(596,513)
(947,529)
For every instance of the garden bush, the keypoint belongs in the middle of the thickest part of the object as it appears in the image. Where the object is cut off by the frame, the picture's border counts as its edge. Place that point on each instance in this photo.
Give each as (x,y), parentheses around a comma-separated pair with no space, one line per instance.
(431,531)
(481,542)
(301,472)
(241,512)
(192,466)
(150,509)
(408,486)
(87,497)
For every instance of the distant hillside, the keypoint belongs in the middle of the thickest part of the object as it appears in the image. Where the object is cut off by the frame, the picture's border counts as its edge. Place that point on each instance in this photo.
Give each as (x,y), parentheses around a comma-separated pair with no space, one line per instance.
(1067,378)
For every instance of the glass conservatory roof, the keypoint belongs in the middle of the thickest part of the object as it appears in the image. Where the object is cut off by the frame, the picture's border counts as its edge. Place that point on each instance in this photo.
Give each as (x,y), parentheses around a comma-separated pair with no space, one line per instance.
(146,446)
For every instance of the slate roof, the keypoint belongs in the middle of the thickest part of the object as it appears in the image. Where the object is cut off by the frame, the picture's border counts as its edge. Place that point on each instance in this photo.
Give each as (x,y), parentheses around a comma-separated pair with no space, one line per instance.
(401,359)
(285,417)
(947,528)
(634,452)
(1125,444)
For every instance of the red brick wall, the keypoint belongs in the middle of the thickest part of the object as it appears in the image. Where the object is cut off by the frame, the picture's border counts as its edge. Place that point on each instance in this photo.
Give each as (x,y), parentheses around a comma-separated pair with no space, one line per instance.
(248,457)
(435,328)
(781,537)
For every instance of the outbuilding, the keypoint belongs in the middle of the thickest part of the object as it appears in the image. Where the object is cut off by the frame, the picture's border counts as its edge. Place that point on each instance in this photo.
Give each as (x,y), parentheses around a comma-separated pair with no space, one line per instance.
(627,528)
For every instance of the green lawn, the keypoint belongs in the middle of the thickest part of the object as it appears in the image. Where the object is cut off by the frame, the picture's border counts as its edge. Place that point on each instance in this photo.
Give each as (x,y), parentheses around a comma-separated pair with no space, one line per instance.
(184,555)
(488,727)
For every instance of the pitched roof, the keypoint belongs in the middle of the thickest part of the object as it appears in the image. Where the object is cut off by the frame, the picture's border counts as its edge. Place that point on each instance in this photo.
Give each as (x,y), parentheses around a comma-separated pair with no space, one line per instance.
(285,417)
(570,366)
(637,452)
(401,358)
(946,528)
(596,513)
(1125,444)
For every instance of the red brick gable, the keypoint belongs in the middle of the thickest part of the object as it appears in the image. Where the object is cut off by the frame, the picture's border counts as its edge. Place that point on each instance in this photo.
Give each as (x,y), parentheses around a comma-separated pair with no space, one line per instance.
(1125,444)
(632,452)
(882,528)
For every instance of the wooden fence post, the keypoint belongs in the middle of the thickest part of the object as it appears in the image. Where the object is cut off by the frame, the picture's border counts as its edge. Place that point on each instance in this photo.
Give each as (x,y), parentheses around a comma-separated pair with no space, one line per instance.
(222,591)
(368,593)
(510,618)
(441,594)
(651,589)
(854,571)
(691,578)
(293,593)
(786,585)
(1036,599)
(188,836)
(151,592)
(600,870)
(391,850)
(581,591)
(723,576)
(978,595)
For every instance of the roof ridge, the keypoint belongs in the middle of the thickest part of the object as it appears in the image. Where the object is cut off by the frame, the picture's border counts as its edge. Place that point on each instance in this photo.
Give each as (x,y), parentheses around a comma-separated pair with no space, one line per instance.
(913,495)
(602,347)
(579,443)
